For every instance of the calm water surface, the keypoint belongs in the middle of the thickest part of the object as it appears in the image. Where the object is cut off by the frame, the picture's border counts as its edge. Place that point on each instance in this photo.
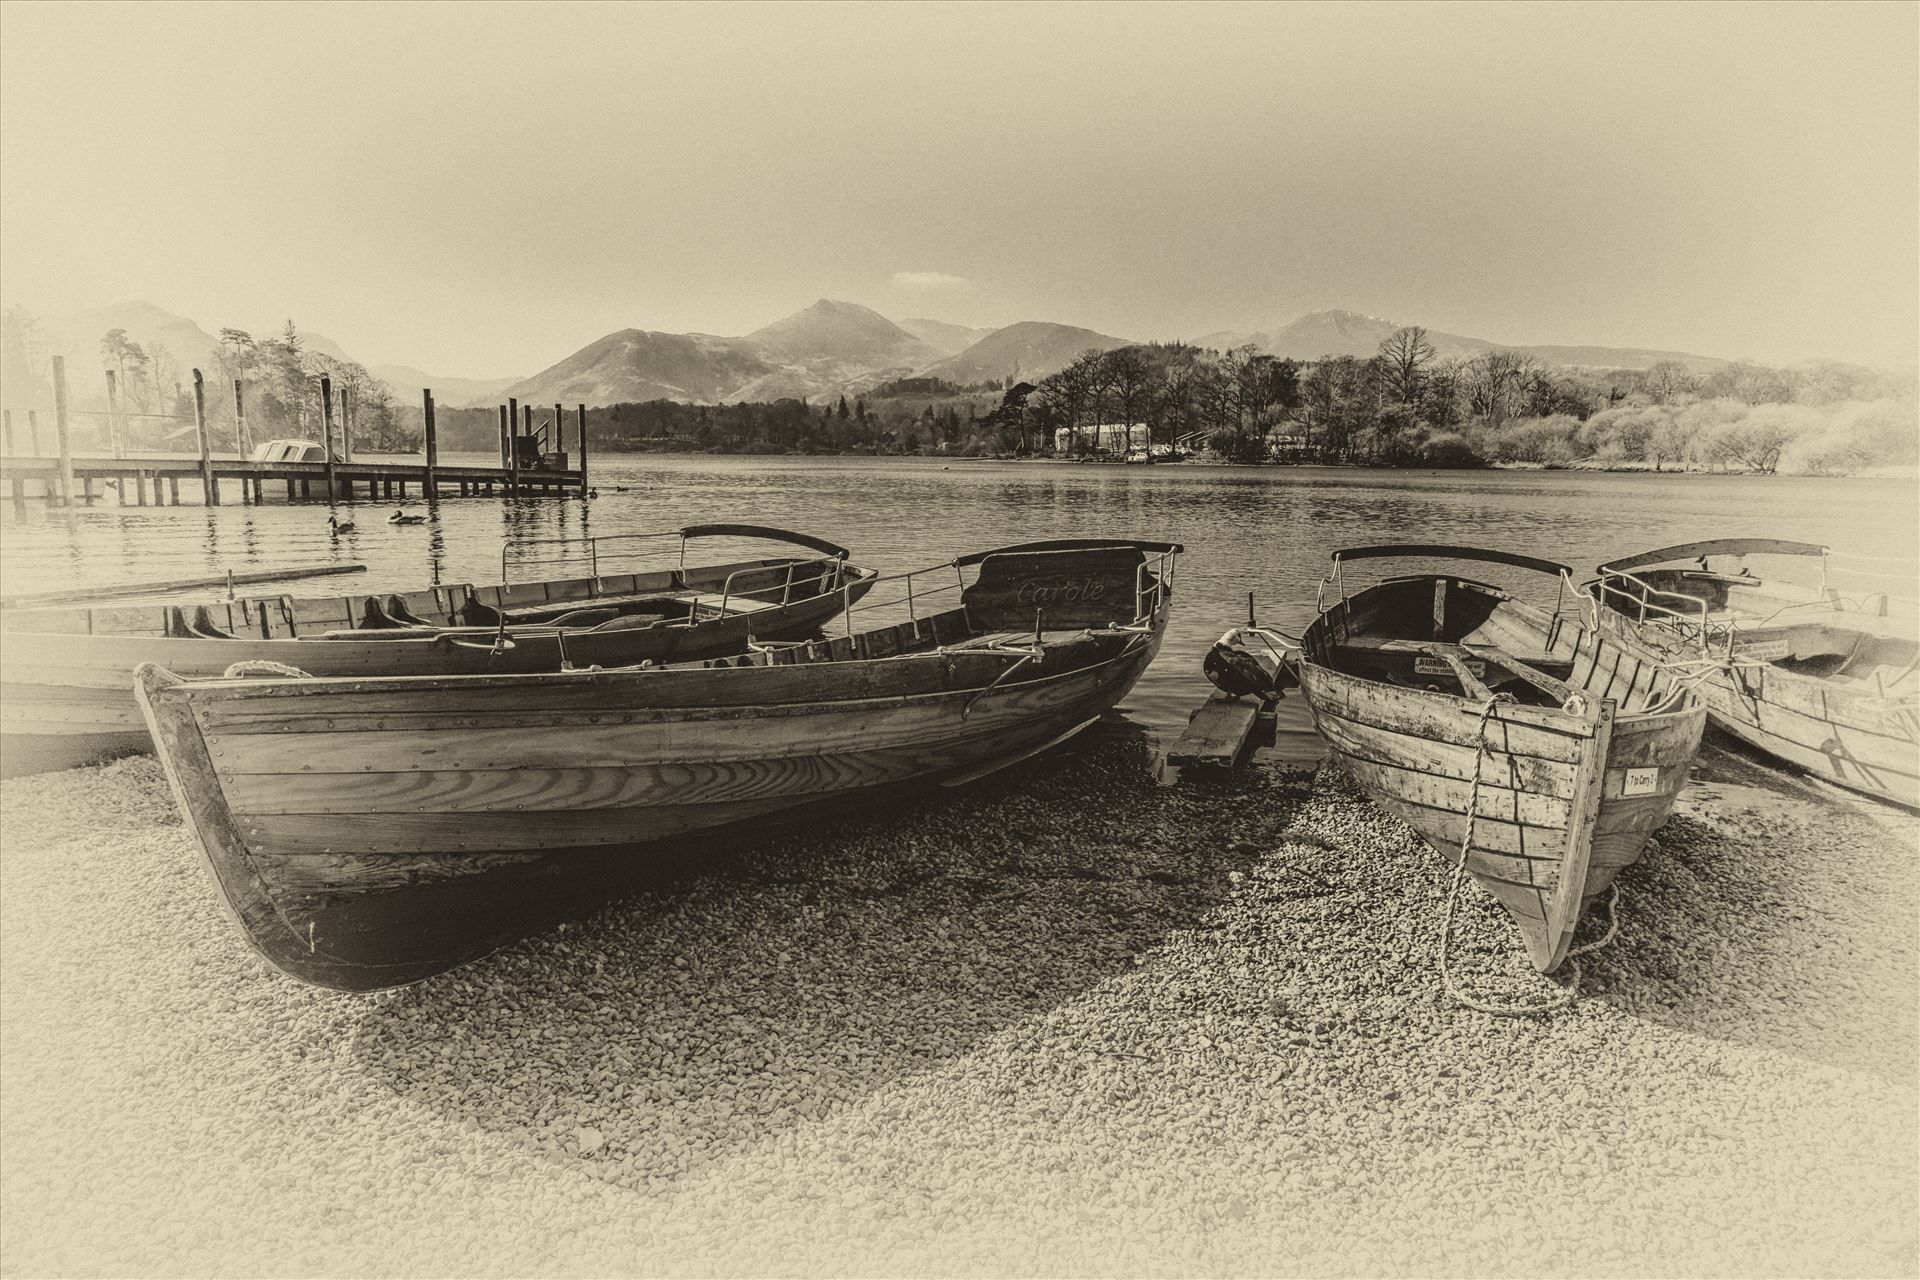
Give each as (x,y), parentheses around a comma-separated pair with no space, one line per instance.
(1266,530)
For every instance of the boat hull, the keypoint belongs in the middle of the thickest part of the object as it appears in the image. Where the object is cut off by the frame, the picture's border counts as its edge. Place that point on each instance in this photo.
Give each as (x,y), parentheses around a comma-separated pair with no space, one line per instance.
(1565,797)
(1848,737)
(368,834)
(68,698)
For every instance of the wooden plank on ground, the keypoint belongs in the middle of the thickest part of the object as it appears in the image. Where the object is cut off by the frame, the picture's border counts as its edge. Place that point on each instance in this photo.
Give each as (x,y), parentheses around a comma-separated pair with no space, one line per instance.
(1217,732)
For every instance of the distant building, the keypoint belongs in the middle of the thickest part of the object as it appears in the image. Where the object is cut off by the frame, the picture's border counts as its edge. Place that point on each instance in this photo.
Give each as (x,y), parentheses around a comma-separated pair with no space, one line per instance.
(1283,442)
(1109,436)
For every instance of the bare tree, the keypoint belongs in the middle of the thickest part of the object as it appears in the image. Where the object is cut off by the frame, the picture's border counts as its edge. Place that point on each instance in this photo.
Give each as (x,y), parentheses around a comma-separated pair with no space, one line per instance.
(1496,384)
(1668,381)
(1130,382)
(1404,356)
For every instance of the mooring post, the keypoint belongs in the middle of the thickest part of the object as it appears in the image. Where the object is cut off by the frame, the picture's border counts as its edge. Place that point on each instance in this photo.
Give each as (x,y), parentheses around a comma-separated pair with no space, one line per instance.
(513,444)
(242,437)
(326,416)
(60,429)
(113,416)
(207,482)
(432,489)
(503,437)
(6,415)
(33,433)
(580,419)
(346,424)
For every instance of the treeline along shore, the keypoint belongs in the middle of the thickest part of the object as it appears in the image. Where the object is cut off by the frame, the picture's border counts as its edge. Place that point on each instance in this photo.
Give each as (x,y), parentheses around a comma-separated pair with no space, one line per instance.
(1400,407)
(1403,406)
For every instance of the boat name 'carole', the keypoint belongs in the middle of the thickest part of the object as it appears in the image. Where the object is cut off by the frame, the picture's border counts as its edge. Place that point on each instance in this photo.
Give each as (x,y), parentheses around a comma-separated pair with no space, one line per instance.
(1065,592)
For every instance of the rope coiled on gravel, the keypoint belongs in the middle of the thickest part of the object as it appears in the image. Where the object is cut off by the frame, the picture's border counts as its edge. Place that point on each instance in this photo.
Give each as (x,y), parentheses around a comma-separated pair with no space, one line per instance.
(1565,998)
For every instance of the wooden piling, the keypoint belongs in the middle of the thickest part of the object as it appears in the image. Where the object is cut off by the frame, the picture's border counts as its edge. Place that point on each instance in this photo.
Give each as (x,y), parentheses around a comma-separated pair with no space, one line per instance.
(210,485)
(346,424)
(60,429)
(430,488)
(6,416)
(580,420)
(513,445)
(33,433)
(242,435)
(326,415)
(113,416)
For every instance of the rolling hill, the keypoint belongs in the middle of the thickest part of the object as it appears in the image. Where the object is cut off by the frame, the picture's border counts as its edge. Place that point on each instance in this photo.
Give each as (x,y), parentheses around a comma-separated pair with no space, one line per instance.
(1349,333)
(1030,349)
(636,365)
(405,382)
(947,339)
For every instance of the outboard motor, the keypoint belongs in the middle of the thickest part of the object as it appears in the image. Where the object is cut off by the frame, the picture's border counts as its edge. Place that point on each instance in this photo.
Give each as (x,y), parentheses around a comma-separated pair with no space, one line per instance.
(1250,661)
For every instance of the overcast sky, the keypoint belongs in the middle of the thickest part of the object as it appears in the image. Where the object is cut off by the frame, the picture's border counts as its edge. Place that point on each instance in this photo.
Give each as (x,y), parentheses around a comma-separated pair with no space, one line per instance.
(481,190)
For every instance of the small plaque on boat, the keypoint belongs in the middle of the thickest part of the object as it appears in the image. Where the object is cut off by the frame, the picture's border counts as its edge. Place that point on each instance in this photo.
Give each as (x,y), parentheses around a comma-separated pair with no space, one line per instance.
(1439,667)
(1765,650)
(1641,782)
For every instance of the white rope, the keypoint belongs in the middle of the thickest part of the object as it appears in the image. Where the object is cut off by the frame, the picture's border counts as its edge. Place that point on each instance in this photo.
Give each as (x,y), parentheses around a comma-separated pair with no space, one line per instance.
(261,667)
(1571,992)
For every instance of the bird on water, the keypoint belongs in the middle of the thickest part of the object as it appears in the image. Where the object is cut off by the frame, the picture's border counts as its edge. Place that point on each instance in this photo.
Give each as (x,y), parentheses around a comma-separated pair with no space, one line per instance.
(335,526)
(401,517)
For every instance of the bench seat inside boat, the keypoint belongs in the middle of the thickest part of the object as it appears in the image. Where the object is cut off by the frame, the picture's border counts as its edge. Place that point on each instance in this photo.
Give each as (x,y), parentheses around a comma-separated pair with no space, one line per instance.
(1379,648)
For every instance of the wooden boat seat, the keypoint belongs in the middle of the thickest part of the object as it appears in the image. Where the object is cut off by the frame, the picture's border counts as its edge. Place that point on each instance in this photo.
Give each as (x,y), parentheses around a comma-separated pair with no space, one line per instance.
(1475,667)
(200,627)
(1381,644)
(589,618)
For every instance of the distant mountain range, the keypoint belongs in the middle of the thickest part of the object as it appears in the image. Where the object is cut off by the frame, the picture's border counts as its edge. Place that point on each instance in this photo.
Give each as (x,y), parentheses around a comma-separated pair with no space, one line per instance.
(1348,333)
(821,352)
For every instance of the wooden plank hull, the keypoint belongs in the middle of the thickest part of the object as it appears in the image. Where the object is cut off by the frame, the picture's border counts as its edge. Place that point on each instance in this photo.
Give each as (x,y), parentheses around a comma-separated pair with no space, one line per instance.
(364,836)
(66,698)
(1562,797)
(1847,736)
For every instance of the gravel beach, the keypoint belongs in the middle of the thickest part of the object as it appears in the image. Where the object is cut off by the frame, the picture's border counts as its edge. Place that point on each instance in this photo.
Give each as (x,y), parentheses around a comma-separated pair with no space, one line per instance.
(1066,1021)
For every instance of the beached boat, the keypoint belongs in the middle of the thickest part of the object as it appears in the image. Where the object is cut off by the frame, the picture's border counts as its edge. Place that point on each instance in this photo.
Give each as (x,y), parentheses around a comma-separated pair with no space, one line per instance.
(1826,678)
(1444,696)
(373,832)
(66,674)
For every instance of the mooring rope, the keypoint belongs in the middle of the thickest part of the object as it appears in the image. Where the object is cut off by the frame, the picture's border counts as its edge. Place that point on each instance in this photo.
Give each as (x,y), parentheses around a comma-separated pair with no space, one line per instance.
(261,667)
(1536,1009)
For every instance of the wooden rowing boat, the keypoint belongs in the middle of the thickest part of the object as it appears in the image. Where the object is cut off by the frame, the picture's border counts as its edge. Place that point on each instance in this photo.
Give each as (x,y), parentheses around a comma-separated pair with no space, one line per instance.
(1825,679)
(371,832)
(66,675)
(1444,696)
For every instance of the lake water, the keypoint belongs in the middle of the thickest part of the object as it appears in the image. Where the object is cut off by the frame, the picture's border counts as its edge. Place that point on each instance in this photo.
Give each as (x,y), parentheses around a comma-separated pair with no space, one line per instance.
(1265,530)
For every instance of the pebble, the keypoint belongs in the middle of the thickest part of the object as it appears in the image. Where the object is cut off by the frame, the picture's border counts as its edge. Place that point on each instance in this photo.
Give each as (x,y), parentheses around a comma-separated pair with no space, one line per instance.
(1041,1026)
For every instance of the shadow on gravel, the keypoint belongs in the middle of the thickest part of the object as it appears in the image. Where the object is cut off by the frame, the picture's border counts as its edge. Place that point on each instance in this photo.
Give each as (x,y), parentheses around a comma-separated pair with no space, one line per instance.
(812,967)
(1776,912)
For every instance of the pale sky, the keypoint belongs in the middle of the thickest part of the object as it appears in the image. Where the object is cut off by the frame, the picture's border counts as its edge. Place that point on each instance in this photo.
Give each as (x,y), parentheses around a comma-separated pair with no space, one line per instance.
(480,190)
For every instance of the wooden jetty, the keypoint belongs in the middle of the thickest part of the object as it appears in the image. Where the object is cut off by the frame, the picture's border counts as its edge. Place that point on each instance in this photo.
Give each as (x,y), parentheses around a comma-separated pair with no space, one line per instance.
(63,478)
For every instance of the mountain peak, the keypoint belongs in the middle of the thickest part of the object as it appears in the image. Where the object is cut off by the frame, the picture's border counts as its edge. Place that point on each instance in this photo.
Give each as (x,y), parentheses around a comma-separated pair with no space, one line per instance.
(834,331)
